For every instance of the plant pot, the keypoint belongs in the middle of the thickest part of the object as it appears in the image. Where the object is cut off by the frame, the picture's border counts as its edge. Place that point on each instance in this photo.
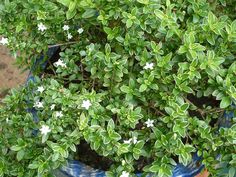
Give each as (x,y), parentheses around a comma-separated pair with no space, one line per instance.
(75,168)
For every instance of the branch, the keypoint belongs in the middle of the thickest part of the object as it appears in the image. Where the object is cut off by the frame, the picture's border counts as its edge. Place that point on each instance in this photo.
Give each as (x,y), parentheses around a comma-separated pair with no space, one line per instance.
(157,110)
(202,112)
(57,45)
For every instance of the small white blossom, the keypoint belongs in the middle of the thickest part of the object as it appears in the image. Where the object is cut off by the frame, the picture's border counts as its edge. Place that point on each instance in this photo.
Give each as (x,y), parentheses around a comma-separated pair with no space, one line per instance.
(86,104)
(52,106)
(60,63)
(69,36)
(149,66)
(66,27)
(7,120)
(41,27)
(128,141)
(135,140)
(124,174)
(4,41)
(80,30)
(59,114)
(45,129)
(38,104)
(149,123)
(40,89)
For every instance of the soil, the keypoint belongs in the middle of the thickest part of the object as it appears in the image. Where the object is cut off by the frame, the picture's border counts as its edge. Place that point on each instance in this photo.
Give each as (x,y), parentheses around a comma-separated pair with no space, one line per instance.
(89,157)
(10,75)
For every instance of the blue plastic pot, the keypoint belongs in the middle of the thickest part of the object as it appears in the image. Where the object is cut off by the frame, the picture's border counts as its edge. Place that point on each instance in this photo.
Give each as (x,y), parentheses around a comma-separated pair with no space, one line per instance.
(75,168)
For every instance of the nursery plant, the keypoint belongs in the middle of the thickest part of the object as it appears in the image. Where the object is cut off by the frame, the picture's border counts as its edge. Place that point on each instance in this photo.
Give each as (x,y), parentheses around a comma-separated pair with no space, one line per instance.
(142,83)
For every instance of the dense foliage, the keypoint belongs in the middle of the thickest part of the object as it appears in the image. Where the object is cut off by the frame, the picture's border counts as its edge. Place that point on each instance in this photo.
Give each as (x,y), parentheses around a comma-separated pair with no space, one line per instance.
(139,80)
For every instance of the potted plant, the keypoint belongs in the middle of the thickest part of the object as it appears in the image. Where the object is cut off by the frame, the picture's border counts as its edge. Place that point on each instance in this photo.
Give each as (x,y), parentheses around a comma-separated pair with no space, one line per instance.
(130,87)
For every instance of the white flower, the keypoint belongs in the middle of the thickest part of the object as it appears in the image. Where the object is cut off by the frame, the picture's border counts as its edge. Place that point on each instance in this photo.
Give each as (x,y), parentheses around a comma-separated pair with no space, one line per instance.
(59,114)
(38,104)
(4,41)
(149,66)
(69,36)
(81,30)
(135,140)
(7,120)
(66,27)
(149,123)
(128,141)
(45,129)
(124,174)
(40,89)
(41,27)
(52,106)
(86,104)
(60,63)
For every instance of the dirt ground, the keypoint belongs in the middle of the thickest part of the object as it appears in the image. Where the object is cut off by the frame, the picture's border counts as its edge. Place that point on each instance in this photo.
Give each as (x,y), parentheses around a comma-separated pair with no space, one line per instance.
(10,75)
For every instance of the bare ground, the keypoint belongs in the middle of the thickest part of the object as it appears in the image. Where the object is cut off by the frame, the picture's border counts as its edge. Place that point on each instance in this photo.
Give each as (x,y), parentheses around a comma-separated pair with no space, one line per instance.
(10,75)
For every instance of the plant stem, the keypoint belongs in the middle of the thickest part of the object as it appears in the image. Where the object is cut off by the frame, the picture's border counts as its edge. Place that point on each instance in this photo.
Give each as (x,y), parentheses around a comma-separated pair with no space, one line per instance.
(157,110)
(67,43)
(203,112)
(198,109)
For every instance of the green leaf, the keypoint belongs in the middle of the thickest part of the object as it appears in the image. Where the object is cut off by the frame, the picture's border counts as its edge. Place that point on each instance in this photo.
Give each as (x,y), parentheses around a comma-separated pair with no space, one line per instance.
(108,49)
(115,136)
(211,39)
(211,18)
(139,145)
(125,89)
(124,148)
(64,2)
(184,107)
(169,110)
(225,102)
(197,47)
(154,168)
(136,153)
(16,148)
(34,165)
(143,87)
(72,10)
(120,39)
(232,172)
(83,121)
(129,23)
(70,14)
(110,126)
(55,157)
(72,5)
(45,138)
(73,147)
(89,13)
(20,155)
(168,3)
(187,89)
(93,70)
(19,27)
(159,13)
(180,130)
(143,1)
(182,50)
